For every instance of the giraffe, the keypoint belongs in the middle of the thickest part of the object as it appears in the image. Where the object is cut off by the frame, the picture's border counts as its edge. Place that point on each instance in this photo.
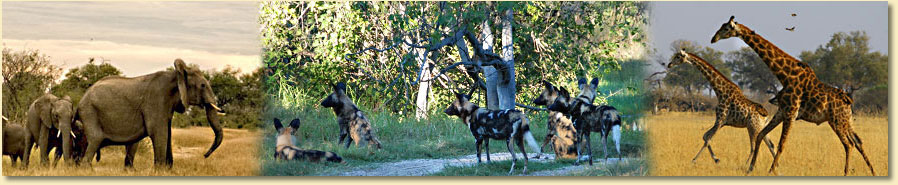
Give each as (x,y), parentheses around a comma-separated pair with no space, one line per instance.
(803,96)
(733,108)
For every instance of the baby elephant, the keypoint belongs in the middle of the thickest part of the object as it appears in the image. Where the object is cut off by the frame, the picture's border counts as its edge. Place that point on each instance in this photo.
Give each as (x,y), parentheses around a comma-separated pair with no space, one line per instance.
(285,148)
(14,142)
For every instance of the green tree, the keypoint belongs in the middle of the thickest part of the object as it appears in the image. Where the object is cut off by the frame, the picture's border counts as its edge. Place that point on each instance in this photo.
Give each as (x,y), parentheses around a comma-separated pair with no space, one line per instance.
(26,75)
(384,50)
(847,62)
(78,79)
(750,72)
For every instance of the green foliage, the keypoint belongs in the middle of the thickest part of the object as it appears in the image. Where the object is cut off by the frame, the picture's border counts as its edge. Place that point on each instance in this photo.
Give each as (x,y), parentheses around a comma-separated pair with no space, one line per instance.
(750,72)
(26,76)
(309,45)
(78,79)
(847,62)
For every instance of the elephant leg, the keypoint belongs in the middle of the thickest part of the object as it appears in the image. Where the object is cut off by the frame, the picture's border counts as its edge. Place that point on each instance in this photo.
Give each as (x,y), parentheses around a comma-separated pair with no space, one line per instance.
(130,151)
(170,158)
(43,143)
(29,144)
(93,148)
(160,148)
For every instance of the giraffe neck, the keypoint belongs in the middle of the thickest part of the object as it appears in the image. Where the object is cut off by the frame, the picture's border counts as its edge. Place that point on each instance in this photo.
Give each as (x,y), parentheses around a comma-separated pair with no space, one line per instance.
(721,85)
(779,62)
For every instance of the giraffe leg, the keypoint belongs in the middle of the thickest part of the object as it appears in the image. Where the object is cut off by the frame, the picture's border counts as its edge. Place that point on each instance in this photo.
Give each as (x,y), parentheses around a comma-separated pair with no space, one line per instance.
(707,137)
(776,121)
(787,126)
(860,148)
(721,117)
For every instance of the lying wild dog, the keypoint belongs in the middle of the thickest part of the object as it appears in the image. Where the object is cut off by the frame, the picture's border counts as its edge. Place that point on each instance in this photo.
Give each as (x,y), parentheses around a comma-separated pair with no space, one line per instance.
(351,120)
(590,118)
(494,124)
(285,148)
(560,130)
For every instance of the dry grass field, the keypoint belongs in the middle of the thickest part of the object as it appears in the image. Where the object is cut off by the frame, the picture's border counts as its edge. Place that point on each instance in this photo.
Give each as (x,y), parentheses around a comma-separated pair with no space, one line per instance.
(674,138)
(237,156)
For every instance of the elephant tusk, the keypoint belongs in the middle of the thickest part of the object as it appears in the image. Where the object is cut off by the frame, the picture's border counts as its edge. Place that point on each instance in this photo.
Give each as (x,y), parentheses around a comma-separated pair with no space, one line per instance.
(215,107)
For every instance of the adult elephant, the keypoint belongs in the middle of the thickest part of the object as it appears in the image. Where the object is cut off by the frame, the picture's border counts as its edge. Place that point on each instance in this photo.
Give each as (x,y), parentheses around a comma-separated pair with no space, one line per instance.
(122,111)
(47,116)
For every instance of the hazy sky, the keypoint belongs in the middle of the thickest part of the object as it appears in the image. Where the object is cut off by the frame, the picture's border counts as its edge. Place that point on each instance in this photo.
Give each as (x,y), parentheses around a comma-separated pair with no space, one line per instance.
(137,37)
(814,24)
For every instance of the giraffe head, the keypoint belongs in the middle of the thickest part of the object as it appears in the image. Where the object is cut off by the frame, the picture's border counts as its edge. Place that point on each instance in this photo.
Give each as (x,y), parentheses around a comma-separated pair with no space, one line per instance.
(679,58)
(729,29)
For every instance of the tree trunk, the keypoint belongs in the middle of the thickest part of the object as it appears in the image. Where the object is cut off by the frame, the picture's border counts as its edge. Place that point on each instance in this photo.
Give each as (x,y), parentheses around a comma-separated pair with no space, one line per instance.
(506,88)
(489,72)
(423,87)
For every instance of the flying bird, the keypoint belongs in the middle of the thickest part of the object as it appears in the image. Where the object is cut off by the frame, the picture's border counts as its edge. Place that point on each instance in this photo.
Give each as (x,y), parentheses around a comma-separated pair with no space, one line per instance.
(791,29)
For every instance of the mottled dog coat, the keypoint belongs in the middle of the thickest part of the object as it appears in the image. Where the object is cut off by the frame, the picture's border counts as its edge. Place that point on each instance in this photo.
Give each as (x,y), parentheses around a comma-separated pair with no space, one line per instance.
(486,124)
(351,120)
(560,129)
(285,148)
(589,118)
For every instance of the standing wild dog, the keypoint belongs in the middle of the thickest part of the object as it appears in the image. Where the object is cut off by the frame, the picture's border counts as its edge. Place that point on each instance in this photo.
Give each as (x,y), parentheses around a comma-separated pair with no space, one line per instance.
(560,130)
(590,118)
(285,148)
(494,124)
(351,120)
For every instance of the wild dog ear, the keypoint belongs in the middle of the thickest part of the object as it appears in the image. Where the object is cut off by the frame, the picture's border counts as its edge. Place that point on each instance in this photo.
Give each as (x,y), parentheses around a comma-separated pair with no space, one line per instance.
(295,124)
(594,83)
(565,93)
(459,96)
(277,124)
(341,87)
(581,81)
(547,84)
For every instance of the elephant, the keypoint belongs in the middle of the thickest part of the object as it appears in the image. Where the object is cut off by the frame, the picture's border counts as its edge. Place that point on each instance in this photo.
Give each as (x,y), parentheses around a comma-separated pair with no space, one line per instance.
(49,115)
(122,111)
(13,142)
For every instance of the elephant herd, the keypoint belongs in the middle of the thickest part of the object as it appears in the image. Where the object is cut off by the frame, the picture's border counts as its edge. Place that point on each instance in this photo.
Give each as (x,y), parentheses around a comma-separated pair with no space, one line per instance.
(114,111)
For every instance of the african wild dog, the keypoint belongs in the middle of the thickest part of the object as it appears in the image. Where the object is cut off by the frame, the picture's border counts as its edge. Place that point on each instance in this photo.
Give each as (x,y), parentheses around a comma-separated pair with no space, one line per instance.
(285,146)
(494,124)
(590,118)
(351,120)
(560,132)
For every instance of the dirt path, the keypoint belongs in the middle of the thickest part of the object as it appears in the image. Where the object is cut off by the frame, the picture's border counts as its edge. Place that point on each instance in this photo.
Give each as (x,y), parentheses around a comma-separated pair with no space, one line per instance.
(420,167)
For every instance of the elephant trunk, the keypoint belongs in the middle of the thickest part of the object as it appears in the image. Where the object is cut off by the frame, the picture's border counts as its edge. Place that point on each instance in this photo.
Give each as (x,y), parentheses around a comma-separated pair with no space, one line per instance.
(212,112)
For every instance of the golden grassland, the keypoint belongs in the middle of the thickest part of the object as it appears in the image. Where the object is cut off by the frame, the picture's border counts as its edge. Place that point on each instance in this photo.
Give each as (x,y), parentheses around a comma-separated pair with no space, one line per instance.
(237,156)
(811,150)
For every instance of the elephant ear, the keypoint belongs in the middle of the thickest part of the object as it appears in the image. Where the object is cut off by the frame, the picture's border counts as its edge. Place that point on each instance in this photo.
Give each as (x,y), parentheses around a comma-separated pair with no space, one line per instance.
(181,70)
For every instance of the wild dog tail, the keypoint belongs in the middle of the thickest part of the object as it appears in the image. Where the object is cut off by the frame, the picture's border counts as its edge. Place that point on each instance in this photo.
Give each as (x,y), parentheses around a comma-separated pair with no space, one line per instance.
(529,137)
(615,134)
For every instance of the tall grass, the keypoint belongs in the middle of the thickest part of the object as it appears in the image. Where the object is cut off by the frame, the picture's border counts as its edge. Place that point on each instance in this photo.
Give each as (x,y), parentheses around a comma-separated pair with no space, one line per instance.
(811,150)
(237,156)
